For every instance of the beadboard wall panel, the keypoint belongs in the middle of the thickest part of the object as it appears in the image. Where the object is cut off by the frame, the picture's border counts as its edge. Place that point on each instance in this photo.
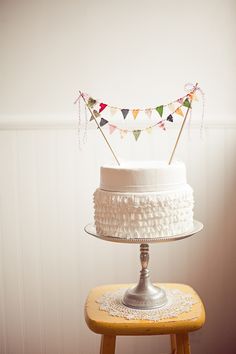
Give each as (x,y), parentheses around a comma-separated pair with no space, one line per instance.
(48,263)
(129,54)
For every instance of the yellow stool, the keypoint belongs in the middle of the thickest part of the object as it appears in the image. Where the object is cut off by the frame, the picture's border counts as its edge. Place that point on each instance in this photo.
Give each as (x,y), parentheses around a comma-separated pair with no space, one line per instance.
(110,327)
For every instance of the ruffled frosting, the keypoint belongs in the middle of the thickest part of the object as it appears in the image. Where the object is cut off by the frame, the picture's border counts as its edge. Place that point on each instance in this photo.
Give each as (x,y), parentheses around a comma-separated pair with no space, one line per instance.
(143,215)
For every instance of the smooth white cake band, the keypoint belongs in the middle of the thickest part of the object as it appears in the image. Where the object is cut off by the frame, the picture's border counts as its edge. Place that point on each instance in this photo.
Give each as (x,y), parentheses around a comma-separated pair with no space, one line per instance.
(146,176)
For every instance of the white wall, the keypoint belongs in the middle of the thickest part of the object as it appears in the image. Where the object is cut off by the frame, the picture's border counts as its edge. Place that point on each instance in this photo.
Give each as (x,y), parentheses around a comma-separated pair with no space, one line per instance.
(128,53)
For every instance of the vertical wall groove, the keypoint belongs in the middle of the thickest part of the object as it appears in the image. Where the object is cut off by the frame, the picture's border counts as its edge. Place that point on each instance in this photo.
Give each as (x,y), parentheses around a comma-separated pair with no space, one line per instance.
(48,264)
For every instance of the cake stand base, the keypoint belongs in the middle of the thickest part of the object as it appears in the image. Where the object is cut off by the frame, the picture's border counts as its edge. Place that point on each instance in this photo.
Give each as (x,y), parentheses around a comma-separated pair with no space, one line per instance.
(144,295)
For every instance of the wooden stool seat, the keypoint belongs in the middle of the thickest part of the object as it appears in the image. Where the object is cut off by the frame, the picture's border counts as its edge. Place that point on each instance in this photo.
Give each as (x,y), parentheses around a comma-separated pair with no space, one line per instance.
(110,327)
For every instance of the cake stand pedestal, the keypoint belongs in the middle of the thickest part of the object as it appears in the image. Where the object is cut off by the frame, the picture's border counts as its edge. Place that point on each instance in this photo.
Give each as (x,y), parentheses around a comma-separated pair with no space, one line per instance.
(145,295)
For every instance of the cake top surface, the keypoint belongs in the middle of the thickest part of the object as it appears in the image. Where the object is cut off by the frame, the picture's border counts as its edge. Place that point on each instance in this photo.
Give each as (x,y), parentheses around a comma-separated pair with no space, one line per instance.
(142,176)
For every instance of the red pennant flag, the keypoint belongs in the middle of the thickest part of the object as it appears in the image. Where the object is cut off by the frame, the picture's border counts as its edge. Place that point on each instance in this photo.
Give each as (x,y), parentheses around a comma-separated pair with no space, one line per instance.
(102,107)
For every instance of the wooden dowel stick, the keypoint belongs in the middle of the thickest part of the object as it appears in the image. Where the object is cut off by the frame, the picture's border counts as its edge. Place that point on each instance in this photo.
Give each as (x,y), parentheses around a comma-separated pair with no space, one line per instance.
(100,128)
(181,129)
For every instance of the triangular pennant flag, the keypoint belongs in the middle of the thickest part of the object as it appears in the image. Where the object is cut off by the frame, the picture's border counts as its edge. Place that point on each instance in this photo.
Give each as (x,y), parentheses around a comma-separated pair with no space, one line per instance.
(149,130)
(170,118)
(161,125)
(91,102)
(113,111)
(171,107)
(102,107)
(148,112)
(103,122)
(190,95)
(112,128)
(160,110)
(187,103)
(125,112)
(179,111)
(123,133)
(135,113)
(95,113)
(180,100)
(136,134)
(193,96)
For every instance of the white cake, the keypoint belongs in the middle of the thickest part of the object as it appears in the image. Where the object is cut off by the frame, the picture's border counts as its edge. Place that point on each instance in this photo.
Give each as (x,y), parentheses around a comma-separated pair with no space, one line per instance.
(143,200)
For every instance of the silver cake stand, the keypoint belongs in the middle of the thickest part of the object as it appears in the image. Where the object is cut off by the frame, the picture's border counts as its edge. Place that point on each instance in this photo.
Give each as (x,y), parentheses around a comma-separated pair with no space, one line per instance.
(145,295)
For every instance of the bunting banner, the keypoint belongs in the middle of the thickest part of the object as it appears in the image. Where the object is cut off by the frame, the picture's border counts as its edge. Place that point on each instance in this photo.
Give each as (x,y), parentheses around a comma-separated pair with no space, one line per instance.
(132,120)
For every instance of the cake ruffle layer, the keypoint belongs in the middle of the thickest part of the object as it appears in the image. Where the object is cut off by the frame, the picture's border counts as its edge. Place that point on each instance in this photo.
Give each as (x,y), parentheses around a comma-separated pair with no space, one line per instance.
(144,215)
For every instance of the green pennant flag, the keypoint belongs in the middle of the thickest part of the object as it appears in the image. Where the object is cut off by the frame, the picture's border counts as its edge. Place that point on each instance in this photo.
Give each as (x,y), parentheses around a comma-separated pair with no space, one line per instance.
(187,103)
(159,109)
(103,122)
(136,134)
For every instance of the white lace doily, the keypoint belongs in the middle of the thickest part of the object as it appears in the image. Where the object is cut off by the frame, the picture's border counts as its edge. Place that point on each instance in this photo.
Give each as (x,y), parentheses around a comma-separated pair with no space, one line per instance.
(178,302)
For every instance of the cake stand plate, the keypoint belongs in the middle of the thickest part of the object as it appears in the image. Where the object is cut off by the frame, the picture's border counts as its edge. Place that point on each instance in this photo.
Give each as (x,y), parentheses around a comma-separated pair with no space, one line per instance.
(197,226)
(145,295)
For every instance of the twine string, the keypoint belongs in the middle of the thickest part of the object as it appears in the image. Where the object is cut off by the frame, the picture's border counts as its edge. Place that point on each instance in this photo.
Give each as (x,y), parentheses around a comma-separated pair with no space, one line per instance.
(98,126)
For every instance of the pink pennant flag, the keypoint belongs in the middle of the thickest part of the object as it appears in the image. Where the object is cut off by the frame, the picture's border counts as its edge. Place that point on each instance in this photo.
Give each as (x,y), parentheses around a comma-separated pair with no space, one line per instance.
(112,128)
(102,107)
(162,125)
(148,112)
(180,100)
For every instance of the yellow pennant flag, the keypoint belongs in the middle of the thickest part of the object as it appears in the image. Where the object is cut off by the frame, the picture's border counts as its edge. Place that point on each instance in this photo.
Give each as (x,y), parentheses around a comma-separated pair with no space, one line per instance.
(148,112)
(113,111)
(135,113)
(179,111)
